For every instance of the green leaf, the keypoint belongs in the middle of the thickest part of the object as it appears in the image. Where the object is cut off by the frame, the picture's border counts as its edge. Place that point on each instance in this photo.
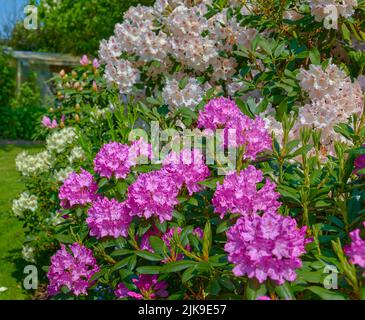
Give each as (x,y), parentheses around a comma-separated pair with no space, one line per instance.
(177,266)
(213,287)
(254,289)
(157,244)
(285,291)
(121,263)
(121,252)
(64,238)
(207,240)
(315,56)
(149,255)
(149,270)
(188,274)
(326,294)
(225,225)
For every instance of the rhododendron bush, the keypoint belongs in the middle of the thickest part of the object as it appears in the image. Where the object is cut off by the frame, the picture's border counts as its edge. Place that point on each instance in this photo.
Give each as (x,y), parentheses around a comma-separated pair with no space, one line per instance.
(214,150)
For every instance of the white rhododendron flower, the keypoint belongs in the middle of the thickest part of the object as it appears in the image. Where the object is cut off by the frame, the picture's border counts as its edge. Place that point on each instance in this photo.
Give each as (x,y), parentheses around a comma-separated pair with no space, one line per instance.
(58,141)
(322,9)
(173,32)
(334,98)
(62,174)
(76,154)
(189,96)
(29,164)
(23,203)
(28,253)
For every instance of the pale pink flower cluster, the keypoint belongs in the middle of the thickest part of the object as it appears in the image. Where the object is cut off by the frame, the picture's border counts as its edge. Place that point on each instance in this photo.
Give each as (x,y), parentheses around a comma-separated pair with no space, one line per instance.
(356,250)
(266,247)
(174,31)
(189,96)
(239,193)
(72,269)
(78,189)
(334,98)
(108,218)
(322,9)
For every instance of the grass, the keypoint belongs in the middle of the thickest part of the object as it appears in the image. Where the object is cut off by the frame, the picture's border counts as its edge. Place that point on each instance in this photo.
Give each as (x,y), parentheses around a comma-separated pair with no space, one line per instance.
(11,233)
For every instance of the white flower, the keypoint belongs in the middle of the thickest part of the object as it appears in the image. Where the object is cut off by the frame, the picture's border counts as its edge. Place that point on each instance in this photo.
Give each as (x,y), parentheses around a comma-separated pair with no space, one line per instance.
(62,174)
(33,164)
(189,96)
(76,154)
(173,33)
(58,141)
(28,253)
(321,9)
(123,74)
(23,203)
(334,98)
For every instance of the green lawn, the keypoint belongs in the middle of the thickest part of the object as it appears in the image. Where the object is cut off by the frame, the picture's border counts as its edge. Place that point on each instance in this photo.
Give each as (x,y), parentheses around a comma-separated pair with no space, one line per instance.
(11,234)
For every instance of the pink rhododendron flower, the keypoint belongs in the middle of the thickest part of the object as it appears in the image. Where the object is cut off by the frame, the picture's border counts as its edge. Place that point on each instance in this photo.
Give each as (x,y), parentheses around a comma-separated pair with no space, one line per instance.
(148,288)
(78,189)
(46,121)
(117,159)
(71,269)
(264,298)
(267,246)
(239,194)
(112,159)
(356,250)
(96,63)
(238,129)
(218,114)
(187,168)
(108,218)
(153,194)
(139,152)
(84,60)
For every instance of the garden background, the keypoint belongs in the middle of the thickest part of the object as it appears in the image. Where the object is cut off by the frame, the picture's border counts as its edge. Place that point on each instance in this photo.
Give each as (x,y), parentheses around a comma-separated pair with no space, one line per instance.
(268,203)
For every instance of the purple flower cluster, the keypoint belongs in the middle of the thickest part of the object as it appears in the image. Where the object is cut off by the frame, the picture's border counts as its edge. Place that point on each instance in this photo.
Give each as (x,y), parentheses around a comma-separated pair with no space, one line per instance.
(116,159)
(153,194)
(71,269)
(78,189)
(187,167)
(356,250)
(219,113)
(239,194)
(148,288)
(108,218)
(112,159)
(223,113)
(267,246)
